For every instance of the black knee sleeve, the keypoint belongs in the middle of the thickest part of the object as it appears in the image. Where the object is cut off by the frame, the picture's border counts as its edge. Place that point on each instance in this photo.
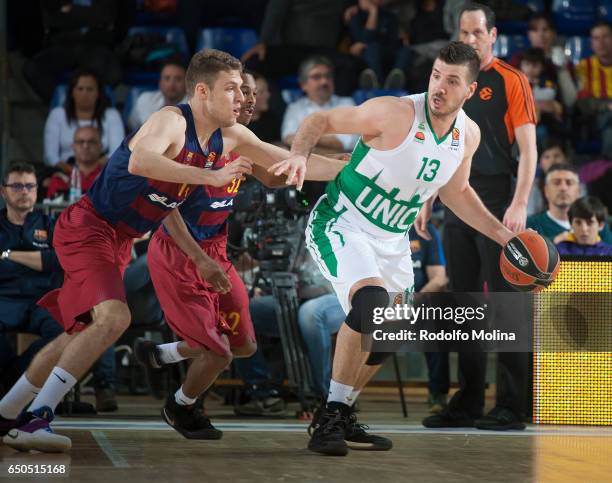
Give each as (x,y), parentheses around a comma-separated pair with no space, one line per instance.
(365,300)
(377,358)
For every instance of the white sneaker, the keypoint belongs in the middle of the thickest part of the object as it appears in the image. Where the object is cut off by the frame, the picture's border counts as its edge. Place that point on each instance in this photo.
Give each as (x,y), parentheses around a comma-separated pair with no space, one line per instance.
(34,433)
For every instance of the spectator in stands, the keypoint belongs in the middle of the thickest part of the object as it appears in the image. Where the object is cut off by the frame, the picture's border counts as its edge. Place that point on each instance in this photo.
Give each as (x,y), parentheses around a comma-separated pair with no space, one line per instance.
(595,88)
(375,37)
(86,105)
(542,34)
(552,152)
(87,149)
(29,269)
(171,92)
(265,123)
(561,190)
(316,76)
(546,94)
(293,30)
(77,34)
(587,218)
(429,268)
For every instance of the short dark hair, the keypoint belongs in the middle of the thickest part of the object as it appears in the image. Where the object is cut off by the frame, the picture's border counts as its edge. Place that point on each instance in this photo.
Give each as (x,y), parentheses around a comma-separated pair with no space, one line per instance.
(18,167)
(538,16)
(601,23)
(307,65)
(479,7)
(553,142)
(561,167)
(458,53)
(206,64)
(534,55)
(174,63)
(588,207)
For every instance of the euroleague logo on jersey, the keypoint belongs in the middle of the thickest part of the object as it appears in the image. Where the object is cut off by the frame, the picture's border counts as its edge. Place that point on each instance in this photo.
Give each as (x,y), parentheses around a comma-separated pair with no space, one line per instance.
(455,137)
(419,137)
(486,93)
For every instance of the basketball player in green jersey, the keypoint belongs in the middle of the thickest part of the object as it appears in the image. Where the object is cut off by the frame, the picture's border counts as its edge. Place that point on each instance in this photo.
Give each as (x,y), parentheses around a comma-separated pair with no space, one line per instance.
(410,149)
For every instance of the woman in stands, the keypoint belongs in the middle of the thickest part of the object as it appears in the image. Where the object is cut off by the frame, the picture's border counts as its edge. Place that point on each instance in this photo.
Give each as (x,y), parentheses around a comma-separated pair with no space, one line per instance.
(86,105)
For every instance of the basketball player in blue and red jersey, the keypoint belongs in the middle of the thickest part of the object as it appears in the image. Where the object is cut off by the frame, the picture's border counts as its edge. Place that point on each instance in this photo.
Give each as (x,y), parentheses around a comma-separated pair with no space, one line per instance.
(202,296)
(150,174)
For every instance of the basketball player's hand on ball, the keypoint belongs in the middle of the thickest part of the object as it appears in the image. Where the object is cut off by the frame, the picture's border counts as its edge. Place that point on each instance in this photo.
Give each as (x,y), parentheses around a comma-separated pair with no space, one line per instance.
(515,217)
(212,272)
(232,171)
(294,167)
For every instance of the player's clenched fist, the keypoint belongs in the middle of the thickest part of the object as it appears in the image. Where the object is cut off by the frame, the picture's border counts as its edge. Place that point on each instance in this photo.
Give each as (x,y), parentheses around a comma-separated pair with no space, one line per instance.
(231,171)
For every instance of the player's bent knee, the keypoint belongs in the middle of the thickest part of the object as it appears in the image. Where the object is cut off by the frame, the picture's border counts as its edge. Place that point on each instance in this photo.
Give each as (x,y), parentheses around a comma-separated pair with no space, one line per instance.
(116,317)
(220,361)
(363,305)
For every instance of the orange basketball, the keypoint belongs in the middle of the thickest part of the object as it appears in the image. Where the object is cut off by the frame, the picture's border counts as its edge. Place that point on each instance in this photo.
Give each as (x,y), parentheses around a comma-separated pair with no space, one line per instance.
(529,262)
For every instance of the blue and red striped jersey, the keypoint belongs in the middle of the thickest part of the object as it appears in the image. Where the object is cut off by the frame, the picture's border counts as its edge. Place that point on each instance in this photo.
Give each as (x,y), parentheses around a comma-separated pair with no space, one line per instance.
(207,209)
(135,204)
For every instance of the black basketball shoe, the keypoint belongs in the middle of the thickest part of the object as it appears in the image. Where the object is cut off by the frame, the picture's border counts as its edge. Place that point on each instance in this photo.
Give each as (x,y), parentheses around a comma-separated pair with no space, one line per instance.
(147,355)
(190,420)
(328,435)
(356,436)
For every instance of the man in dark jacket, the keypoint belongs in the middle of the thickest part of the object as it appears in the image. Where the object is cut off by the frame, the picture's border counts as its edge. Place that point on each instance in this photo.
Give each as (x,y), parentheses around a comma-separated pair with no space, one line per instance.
(28,269)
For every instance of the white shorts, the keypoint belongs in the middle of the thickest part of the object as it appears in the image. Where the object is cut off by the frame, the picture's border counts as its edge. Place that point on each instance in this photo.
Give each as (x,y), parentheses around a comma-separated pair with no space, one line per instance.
(346,254)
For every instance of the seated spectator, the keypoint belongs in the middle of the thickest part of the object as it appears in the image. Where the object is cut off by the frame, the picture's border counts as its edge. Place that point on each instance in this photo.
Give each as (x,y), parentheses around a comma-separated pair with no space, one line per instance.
(77,34)
(29,269)
(87,151)
(542,34)
(317,81)
(553,152)
(587,218)
(594,103)
(265,123)
(171,92)
(546,95)
(375,38)
(561,190)
(86,105)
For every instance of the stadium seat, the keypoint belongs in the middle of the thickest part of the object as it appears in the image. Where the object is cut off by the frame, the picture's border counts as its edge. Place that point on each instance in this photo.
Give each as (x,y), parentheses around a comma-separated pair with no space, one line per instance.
(362,95)
(59,95)
(577,48)
(172,35)
(291,95)
(131,97)
(507,45)
(236,41)
(574,17)
(604,11)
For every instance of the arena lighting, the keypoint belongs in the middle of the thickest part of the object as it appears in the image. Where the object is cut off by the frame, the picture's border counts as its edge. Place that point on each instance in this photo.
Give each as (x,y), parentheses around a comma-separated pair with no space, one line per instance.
(574,313)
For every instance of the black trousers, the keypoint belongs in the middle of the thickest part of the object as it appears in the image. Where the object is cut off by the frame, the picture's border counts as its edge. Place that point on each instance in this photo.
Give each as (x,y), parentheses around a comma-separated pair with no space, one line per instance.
(473,259)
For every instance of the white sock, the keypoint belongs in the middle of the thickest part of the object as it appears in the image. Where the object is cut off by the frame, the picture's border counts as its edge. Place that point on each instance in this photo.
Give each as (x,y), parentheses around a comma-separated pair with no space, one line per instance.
(339,392)
(55,388)
(182,400)
(18,398)
(353,397)
(168,353)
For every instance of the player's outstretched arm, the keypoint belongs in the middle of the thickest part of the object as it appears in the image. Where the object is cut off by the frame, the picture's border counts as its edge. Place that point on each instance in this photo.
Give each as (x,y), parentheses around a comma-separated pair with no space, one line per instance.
(210,270)
(265,155)
(461,198)
(368,120)
(163,132)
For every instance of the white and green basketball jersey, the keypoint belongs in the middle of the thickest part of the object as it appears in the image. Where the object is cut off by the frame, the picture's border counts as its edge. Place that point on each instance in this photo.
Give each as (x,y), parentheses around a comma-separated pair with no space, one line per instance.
(382,191)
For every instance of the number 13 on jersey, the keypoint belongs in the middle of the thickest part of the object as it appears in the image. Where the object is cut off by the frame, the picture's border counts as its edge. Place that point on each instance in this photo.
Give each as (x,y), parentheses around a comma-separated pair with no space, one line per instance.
(429,169)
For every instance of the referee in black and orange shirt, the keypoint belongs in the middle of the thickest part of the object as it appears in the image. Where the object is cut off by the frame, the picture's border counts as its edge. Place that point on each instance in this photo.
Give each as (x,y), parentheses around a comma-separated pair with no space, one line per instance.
(504,110)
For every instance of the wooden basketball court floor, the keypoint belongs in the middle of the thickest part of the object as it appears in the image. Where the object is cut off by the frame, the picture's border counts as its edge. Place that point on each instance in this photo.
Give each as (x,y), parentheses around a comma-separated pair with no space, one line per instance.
(134,445)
